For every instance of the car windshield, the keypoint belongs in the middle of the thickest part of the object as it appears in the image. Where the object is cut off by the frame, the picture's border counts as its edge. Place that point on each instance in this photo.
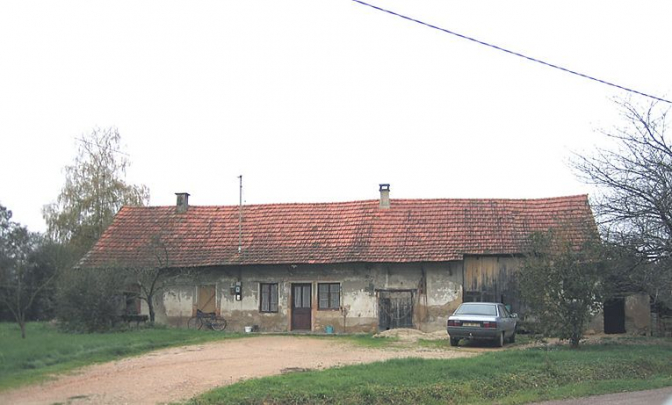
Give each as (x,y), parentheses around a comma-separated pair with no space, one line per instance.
(476,309)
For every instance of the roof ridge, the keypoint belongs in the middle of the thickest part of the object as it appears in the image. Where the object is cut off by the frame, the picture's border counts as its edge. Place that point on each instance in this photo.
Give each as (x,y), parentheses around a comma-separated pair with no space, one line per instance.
(403,200)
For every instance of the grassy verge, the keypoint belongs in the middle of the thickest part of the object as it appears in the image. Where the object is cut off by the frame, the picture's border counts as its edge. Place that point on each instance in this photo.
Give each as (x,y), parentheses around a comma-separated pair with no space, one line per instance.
(506,377)
(521,340)
(362,340)
(47,351)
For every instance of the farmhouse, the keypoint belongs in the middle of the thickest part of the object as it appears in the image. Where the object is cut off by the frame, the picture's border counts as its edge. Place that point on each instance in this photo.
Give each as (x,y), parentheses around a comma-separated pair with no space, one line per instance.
(352,266)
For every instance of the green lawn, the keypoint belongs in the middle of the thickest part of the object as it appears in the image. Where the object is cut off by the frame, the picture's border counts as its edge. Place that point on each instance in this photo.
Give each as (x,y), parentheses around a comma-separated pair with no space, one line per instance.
(503,377)
(46,350)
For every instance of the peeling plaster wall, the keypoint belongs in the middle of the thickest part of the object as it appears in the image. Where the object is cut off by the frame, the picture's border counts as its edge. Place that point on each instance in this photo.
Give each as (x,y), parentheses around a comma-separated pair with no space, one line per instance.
(637,314)
(444,295)
(435,287)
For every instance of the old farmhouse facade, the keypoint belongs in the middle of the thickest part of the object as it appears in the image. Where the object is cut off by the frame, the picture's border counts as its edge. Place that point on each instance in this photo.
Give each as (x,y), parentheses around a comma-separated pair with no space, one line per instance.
(359,266)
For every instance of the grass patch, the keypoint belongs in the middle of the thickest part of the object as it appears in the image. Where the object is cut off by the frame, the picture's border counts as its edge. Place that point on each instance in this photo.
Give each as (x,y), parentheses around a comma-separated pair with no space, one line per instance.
(507,377)
(361,339)
(47,351)
(521,340)
(366,340)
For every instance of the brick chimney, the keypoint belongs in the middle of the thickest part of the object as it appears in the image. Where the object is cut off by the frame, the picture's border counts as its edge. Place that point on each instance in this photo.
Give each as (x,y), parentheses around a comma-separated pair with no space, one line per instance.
(384,196)
(182,202)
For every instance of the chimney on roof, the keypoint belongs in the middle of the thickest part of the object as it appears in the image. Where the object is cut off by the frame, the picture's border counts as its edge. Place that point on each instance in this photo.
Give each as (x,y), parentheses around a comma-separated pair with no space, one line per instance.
(384,196)
(182,202)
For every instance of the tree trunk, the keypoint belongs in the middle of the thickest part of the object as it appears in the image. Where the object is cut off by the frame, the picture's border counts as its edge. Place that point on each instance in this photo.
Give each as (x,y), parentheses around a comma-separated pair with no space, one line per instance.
(574,340)
(150,306)
(22,325)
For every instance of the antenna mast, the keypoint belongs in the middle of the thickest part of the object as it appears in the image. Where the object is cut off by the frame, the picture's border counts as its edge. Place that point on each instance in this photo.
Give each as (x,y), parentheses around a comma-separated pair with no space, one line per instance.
(240,216)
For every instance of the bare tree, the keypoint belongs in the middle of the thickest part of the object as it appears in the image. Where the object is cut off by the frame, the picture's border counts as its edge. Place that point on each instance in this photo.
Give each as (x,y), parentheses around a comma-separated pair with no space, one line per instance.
(154,273)
(635,204)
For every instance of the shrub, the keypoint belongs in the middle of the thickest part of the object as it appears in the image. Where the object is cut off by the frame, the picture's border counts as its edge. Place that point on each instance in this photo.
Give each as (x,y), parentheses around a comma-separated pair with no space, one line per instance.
(89,300)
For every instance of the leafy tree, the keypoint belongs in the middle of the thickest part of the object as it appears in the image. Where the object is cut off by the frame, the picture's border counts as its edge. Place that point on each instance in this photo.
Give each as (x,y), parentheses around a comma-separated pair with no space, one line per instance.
(560,283)
(48,259)
(89,300)
(635,204)
(94,191)
(22,278)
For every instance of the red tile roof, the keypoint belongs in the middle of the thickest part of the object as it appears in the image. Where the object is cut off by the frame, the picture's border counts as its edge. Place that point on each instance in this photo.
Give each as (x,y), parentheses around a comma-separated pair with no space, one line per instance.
(409,231)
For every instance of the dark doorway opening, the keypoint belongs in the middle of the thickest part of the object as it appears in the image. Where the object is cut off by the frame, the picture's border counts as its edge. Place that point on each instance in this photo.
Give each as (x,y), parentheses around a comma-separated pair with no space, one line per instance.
(395,309)
(614,316)
(301,306)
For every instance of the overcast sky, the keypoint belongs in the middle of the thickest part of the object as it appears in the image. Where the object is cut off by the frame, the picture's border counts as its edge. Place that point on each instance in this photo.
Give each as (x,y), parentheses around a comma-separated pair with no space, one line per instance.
(316,101)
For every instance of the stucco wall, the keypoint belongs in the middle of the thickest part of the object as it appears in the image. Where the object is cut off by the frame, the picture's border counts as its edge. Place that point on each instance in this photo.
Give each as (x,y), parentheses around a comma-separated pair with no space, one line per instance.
(436,290)
(637,314)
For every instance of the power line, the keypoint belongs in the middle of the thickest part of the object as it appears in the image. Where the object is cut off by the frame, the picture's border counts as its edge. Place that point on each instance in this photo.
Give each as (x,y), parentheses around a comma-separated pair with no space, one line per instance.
(585,76)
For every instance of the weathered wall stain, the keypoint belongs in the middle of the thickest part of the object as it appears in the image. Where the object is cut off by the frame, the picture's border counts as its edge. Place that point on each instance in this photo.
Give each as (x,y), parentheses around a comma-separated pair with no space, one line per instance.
(436,288)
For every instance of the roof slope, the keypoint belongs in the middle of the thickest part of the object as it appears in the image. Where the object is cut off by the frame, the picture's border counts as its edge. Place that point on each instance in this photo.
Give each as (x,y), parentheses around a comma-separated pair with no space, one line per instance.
(409,231)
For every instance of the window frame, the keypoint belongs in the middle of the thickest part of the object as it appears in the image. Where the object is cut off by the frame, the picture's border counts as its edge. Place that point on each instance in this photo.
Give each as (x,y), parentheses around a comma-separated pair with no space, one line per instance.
(270,310)
(329,297)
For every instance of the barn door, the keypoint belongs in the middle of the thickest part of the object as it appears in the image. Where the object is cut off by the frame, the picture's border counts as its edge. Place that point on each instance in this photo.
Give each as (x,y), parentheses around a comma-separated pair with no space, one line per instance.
(301,306)
(395,309)
(206,298)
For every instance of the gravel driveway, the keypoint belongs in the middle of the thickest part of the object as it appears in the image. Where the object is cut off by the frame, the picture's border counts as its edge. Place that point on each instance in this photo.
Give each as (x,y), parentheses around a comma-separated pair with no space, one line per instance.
(180,373)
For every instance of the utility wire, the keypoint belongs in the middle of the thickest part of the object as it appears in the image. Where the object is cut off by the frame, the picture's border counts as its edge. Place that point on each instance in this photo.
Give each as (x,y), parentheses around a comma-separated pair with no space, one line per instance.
(585,76)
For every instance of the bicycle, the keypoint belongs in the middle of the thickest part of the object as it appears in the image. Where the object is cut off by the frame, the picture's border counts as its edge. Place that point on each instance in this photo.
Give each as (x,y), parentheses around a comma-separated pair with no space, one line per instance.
(208,319)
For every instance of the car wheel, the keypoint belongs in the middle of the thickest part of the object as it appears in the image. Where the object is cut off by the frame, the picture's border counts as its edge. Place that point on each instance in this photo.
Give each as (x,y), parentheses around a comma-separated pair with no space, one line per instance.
(454,341)
(500,341)
(512,339)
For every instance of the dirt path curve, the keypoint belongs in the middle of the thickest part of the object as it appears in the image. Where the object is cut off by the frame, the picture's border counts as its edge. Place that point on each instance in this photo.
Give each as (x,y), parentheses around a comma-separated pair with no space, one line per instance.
(180,373)
(661,396)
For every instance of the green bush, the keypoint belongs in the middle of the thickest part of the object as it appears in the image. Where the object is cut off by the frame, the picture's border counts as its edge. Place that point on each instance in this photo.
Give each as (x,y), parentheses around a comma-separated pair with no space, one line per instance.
(89,300)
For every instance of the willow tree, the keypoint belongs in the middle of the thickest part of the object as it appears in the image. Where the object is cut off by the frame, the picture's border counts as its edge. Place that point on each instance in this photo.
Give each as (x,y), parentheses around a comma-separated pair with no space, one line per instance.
(95,189)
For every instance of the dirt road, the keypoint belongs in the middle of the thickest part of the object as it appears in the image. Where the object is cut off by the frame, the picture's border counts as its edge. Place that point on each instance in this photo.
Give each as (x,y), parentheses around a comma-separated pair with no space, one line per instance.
(180,373)
(662,396)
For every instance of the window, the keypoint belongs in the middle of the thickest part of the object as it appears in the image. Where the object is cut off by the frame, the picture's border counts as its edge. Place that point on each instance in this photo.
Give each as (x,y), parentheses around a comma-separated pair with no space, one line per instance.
(328,296)
(269,297)
(476,309)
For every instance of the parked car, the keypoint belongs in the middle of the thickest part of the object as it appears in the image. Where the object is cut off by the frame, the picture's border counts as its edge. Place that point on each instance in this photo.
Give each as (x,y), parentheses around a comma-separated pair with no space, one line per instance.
(482,321)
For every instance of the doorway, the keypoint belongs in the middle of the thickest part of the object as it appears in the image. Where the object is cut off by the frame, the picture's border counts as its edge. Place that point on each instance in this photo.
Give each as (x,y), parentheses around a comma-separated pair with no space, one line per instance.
(206,300)
(395,309)
(301,306)
(614,316)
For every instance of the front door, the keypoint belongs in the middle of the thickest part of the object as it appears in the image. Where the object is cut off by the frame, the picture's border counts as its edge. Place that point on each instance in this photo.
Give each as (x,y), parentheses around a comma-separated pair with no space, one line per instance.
(301,306)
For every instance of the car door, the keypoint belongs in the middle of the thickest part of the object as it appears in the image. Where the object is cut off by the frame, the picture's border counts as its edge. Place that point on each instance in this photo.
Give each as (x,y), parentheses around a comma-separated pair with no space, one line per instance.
(506,319)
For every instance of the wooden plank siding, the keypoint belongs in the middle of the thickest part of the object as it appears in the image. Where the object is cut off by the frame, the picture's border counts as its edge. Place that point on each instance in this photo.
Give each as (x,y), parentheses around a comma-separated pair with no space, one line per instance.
(491,279)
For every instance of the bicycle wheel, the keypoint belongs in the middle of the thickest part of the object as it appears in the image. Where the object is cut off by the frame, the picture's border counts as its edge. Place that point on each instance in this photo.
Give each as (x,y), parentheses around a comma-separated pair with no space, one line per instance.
(218,324)
(194,323)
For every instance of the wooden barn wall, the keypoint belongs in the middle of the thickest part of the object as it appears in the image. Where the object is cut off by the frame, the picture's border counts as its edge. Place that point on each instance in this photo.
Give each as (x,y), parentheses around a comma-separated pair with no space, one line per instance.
(491,278)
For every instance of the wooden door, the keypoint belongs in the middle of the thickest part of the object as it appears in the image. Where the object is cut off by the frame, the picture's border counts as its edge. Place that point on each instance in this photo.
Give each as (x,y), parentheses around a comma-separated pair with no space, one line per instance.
(395,309)
(206,298)
(301,306)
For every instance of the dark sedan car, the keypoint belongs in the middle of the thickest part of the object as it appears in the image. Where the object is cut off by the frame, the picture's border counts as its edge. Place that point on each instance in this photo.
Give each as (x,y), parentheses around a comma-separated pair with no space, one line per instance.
(482,321)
